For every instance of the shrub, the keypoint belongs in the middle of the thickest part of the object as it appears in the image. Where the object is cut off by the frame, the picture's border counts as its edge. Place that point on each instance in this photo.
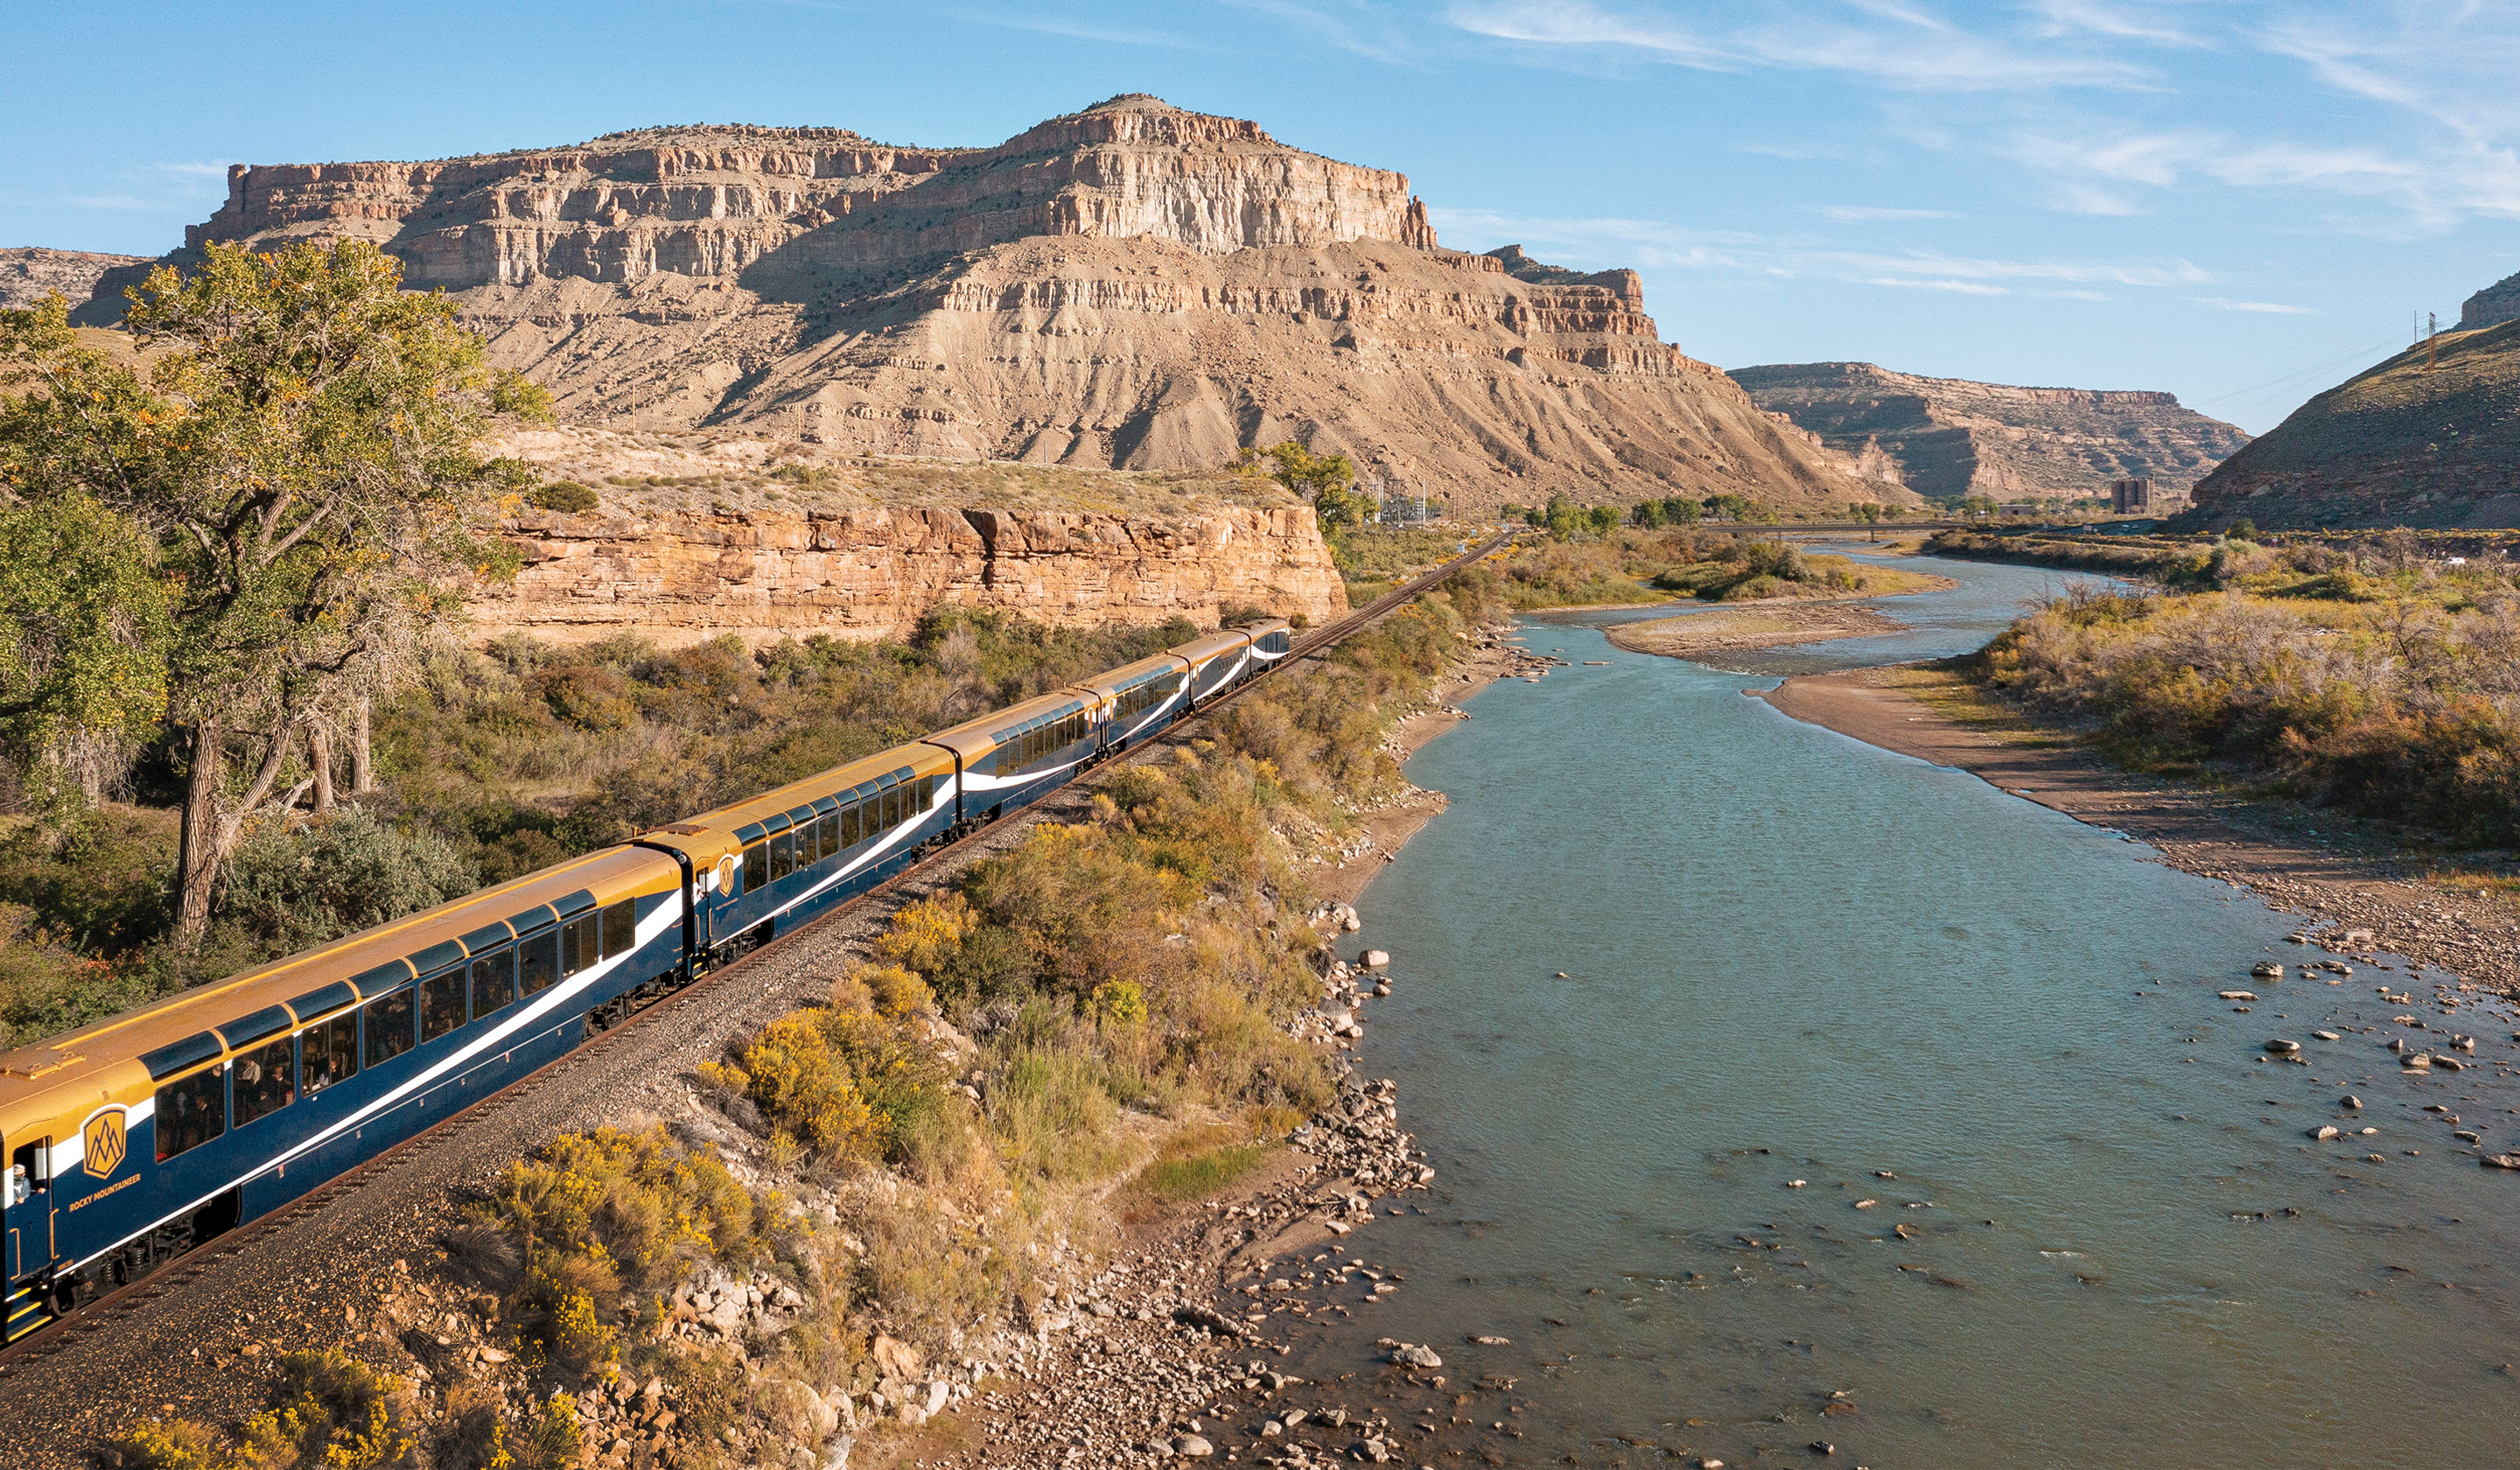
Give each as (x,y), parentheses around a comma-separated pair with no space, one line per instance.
(792,1075)
(563,494)
(635,1205)
(292,885)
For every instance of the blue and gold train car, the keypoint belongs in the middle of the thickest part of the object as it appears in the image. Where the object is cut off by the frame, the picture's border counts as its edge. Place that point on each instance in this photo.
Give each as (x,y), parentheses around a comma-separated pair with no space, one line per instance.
(136,1138)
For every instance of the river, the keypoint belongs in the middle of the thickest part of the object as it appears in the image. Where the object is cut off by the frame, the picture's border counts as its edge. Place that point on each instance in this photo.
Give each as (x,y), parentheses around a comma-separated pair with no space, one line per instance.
(1881,1110)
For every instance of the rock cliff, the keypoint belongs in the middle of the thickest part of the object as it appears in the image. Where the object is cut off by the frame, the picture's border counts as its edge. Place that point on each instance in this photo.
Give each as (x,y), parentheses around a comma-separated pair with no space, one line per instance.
(1132,287)
(1947,437)
(2492,306)
(766,574)
(2429,438)
(30,274)
(703,535)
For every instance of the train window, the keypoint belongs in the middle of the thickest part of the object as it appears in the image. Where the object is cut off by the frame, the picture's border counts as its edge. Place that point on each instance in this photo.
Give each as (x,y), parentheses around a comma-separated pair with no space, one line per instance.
(265,1081)
(783,855)
(537,961)
(621,929)
(577,944)
(328,1051)
(390,1023)
(756,868)
(494,981)
(441,1003)
(826,836)
(191,1112)
(849,824)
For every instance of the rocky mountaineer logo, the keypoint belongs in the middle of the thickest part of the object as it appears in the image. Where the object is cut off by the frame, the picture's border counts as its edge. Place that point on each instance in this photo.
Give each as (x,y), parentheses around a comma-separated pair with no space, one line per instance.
(102,1143)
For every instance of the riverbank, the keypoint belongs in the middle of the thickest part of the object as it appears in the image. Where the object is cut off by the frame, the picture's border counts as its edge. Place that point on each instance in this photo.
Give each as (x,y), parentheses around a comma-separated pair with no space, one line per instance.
(1163,1350)
(2347,876)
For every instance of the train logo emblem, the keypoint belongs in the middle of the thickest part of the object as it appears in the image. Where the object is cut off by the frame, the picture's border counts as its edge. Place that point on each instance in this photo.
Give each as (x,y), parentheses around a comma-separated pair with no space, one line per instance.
(103,1142)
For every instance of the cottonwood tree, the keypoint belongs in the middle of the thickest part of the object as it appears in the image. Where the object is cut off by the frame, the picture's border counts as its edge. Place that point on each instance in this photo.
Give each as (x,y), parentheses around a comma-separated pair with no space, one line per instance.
(302,458)
(1327,480)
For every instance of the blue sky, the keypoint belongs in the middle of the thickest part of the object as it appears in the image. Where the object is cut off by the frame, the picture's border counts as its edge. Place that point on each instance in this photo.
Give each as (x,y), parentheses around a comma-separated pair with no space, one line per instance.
(2240,202)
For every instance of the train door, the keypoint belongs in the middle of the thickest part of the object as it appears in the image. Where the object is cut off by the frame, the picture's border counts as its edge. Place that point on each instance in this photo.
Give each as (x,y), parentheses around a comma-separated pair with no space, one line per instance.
(27,1207)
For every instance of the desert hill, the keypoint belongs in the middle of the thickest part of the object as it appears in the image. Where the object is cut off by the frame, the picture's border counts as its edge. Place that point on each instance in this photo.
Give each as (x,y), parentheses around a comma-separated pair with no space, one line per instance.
(1130,287)
(2412,442)
(1944,437)
(29,273)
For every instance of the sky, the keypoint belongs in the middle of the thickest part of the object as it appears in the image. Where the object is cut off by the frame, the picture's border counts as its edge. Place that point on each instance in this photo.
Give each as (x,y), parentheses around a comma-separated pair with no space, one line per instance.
(2240,202)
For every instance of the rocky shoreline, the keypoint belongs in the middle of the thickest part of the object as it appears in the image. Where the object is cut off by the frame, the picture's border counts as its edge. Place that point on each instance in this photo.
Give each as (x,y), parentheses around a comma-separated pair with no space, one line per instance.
(1164,1349)
(2341,875)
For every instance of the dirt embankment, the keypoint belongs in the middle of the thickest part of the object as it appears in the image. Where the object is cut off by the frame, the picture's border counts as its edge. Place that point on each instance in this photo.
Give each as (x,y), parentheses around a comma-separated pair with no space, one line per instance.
(2324,866)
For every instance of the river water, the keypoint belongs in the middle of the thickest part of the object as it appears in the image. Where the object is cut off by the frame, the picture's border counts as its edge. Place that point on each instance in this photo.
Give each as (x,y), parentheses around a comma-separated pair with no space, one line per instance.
(2055,1205)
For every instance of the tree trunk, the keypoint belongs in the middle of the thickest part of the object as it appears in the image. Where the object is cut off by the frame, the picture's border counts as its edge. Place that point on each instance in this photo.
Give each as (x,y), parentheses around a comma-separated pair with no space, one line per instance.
(197,860)
(319,754)
(363,770)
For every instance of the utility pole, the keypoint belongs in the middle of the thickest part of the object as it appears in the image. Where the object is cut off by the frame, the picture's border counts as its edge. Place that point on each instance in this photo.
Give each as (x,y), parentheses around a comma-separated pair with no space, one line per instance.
(2432,340)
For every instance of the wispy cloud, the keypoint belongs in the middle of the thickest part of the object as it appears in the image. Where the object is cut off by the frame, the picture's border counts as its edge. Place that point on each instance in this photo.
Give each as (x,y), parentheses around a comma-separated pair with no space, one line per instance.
(1964,288)
(111,201)
(1655,244)
(1356,29)
(1119,35)
(1854,214)
(216,168)
(1890,45)
(2270,308)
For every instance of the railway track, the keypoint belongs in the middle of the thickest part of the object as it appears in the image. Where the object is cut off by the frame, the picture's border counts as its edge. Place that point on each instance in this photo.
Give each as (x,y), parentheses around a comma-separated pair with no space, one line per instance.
(95,1318)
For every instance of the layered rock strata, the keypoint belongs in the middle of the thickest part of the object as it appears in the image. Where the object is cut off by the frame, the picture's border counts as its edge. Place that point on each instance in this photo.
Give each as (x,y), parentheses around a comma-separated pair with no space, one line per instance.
(1133,286)
(1946,437)
(763,575)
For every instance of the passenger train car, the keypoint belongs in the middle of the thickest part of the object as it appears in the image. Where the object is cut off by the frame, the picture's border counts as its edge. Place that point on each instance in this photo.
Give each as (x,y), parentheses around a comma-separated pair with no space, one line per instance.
(142,1135)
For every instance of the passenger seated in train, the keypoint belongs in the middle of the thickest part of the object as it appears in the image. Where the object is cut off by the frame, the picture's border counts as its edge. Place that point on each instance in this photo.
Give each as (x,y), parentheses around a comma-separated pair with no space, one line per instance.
(263,1084)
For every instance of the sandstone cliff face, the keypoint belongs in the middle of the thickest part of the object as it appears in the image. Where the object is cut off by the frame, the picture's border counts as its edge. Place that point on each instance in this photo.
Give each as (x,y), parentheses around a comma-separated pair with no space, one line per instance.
(1950,437)
(1428,367)
(29,275)
(763,575)
(2492,306)
(2429,438)
(1133,286)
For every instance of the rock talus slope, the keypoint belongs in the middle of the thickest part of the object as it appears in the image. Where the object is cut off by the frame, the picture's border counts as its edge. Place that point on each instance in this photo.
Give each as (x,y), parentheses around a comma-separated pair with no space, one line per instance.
(2429,438)
(1133,286)
(1948,438)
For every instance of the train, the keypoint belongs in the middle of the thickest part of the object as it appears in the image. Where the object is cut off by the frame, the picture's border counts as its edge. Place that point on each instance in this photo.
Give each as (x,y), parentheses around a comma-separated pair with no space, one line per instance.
(137,1138)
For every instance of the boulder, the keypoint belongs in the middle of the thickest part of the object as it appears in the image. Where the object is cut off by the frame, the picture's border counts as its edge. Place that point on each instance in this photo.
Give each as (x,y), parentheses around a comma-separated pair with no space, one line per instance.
(1375,960)
(1410,1355)
(895,1359)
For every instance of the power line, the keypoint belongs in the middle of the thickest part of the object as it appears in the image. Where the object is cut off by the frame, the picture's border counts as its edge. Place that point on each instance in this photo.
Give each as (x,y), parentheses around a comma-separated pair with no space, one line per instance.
(2324,365)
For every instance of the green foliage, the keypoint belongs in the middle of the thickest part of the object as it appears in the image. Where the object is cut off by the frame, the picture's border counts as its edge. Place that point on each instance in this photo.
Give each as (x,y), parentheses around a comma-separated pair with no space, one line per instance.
(83,631)
(1200,1175)
(299,470)
(294,886)
(1327,480)
(567,496)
